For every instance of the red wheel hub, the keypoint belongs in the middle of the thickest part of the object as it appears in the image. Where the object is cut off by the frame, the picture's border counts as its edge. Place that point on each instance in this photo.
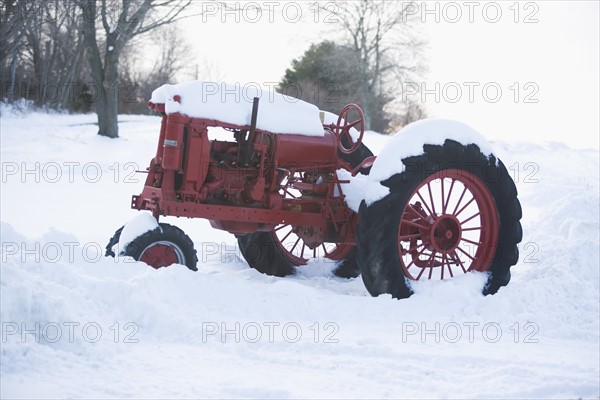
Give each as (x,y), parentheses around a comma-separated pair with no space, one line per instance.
(445,233)
(449,225)
(160,255)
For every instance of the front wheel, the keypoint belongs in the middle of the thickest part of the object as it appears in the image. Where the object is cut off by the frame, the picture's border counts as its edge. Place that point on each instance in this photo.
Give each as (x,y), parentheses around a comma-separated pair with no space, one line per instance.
(452,210)
(161,247)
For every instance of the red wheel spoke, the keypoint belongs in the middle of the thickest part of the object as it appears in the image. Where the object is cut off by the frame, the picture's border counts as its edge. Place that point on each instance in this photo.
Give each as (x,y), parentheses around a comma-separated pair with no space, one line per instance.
(465,253)
(406,237)
(465,206)
(413,249)
(448,198)
(425,204)
(470,241)
(459,200)
(470,218)
(280,227)
(295,244)
(324,249)
(423,269)
(302,251)
(411,223)
(417,212)
(457,258)
(471,229)
(429,260)
(431,198)
(315,252)
(450,265)
(443,265)
(415,257)
(286,236)
(431,269)
(443,198)
(290,194)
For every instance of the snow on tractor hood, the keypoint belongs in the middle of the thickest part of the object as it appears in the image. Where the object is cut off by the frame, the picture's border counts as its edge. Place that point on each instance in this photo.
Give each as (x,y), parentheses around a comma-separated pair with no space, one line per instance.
(409,141)
(232,103)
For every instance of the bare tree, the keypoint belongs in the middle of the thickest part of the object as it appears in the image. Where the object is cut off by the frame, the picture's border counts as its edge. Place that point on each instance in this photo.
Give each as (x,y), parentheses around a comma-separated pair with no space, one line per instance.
(55,48)
(171,60)
(386,45)
(45,39)
(12,31)
(114,23)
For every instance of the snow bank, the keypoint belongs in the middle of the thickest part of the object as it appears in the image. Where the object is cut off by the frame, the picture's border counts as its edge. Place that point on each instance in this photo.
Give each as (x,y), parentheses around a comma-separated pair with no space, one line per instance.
(409,142)
(537,338)
(233,104)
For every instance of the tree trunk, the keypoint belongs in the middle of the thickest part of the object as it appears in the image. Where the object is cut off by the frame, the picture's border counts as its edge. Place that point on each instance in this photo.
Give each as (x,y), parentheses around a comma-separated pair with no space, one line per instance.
(107,110)
(104,76)
(107,106)
(13,73)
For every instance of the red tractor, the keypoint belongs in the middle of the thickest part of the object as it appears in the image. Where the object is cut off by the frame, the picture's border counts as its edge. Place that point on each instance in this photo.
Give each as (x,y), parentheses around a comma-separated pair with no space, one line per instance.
(448,210)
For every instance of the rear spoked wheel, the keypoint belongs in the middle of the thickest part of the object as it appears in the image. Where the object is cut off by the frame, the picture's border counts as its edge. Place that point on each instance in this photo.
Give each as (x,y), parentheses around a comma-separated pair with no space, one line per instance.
(450,217)
(279,251)
(453,210)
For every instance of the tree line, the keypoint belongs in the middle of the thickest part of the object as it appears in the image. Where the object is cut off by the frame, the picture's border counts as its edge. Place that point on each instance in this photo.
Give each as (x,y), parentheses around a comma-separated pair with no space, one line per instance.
(79,55)
(84,55)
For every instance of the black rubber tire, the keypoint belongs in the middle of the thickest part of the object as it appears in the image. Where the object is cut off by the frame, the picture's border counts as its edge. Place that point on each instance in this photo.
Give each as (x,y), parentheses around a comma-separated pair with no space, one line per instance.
(113,241)
(348,267)
(164,233)
(378,228)
(263,253)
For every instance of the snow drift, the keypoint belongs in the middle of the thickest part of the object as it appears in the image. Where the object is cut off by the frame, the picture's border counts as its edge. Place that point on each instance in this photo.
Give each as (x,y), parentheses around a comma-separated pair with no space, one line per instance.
(76,324)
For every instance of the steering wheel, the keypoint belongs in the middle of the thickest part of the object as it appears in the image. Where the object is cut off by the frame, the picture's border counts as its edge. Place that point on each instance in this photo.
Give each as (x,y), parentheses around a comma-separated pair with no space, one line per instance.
(342,129)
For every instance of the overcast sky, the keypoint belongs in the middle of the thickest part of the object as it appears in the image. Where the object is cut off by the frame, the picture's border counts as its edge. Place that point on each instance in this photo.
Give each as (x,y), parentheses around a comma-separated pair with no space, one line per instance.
(526,71)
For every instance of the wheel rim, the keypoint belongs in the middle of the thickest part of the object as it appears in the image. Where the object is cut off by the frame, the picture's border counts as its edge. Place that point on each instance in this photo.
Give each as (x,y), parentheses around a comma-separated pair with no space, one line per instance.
(293,246)
(298,252)
(449,226)
(162,254)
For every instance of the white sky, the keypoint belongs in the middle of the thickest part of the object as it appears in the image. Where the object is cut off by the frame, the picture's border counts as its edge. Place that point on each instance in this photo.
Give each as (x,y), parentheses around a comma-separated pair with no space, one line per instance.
(554,59)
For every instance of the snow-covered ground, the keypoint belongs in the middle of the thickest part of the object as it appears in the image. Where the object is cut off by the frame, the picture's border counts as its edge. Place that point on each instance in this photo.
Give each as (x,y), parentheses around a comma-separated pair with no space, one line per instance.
(76,324)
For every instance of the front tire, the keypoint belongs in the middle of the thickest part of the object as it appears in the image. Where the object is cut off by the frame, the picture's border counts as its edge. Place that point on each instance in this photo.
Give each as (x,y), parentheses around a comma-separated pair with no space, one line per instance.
(452,210)
(163,246)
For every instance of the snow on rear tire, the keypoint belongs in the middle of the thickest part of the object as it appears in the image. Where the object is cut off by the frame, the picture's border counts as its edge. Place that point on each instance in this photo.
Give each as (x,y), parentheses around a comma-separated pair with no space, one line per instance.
(424,227)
